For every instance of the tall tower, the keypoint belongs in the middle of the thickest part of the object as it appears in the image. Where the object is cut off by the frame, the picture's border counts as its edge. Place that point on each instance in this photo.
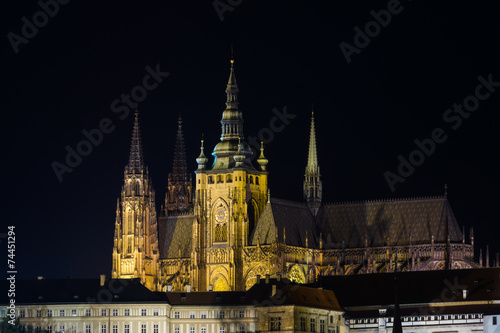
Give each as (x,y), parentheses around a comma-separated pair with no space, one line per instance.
(179,196)
(135,250)
(229,199)
(312,178)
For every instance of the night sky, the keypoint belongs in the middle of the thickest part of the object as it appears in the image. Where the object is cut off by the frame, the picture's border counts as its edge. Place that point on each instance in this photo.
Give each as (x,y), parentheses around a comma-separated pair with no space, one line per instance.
(397,87)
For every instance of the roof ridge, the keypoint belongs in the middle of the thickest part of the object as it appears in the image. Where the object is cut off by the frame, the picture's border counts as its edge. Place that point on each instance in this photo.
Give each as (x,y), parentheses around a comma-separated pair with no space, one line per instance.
(288,201)
(357,202)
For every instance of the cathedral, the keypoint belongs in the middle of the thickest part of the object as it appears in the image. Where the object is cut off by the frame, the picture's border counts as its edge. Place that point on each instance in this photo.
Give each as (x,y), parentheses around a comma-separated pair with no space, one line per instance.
(224,231)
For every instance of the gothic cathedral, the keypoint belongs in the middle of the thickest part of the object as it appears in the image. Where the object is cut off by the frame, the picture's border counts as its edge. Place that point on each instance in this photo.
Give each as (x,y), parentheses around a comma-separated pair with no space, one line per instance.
(229,231)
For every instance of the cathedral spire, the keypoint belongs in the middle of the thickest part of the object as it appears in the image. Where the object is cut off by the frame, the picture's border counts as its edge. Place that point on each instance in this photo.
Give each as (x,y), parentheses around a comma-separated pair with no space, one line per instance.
(312,179)
(179,188)
(232,120)
(135,162)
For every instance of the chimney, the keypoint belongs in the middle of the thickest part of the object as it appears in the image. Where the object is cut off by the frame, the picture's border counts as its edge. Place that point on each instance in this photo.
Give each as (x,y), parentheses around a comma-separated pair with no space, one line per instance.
(210,288)
(267,278)
(258,278)
(169,287)
(188,288)
(102,280)
(273,292)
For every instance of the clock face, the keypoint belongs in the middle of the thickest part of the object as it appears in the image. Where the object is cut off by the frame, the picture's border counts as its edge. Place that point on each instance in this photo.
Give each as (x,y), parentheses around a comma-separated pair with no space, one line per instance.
(220,214)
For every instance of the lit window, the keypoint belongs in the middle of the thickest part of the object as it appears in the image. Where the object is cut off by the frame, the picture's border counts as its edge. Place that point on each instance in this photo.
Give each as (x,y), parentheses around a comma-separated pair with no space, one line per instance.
(191,314)
(115,312)
(143,328)
(203,314)
(49,313)
(127,328)
(143,312)
(127,312)
(155,312)
(87,313)
(275,323)
(87,329)
(115,328)
(177,315)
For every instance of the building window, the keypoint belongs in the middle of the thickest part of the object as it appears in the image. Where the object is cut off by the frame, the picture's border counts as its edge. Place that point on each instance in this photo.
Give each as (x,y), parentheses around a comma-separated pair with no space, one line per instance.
(143,312)
(143,328)
(87,313)
(251,180)
(494,320)
(176,329)
(242,329)
(203,330)
(313,325)
(256,180)
(87,328)
(103,313)
(127,312)
(203,314)
(275,323)
(49,329)
(115,312)
(127,328)
(242,314)
(22,313)
(61,313)
(115,328)
(49,313)
(38,313)
(73,329)
(177,315)
(222,329)
(321,326)
(38,329)
(73,312)
(222,314)
(155,328)
(61,329)
(155,312)
(191,329)
(191,314)
(331,319)
(210,180)
(103,328)
(302,323)
(221,232)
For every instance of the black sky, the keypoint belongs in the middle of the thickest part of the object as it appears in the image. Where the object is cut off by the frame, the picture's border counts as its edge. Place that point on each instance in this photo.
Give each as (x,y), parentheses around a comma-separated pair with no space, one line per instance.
(368,111)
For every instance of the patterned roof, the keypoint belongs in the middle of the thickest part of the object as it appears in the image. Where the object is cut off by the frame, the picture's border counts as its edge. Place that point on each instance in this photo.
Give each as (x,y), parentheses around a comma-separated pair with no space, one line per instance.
(294,217)
(388,223)
(175,232)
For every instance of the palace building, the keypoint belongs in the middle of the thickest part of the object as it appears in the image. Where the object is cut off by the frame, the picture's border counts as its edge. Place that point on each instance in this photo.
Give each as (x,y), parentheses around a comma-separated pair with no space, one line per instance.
(225,230)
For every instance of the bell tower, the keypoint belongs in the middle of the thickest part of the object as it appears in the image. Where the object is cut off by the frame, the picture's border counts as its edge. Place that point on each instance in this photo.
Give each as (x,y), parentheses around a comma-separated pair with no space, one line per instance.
(229,198)
(135,249)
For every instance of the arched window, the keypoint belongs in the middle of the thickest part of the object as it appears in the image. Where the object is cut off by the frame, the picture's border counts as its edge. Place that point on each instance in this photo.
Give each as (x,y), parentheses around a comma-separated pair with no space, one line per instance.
(130,228)
(251,179)
(256,180)
(229,179)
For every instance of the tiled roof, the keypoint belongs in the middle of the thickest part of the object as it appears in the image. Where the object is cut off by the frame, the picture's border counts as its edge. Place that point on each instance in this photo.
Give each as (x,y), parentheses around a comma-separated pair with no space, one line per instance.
(293,217)
(415,287)
(56,291)
(207,298)
(389,222)
(175,232)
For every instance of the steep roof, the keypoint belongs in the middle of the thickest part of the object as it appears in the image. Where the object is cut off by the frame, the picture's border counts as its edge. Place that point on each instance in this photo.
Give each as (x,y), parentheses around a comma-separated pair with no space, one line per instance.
(423,287)
(388,222)
(78,291)
(293,217)
(175,232)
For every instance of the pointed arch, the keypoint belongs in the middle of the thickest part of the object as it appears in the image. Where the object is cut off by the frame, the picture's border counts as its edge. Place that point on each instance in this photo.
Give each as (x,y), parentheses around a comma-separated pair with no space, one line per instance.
(296,274)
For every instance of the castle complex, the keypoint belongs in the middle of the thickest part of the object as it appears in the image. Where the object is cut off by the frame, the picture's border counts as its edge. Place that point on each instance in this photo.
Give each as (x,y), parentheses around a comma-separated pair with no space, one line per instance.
(225,231)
